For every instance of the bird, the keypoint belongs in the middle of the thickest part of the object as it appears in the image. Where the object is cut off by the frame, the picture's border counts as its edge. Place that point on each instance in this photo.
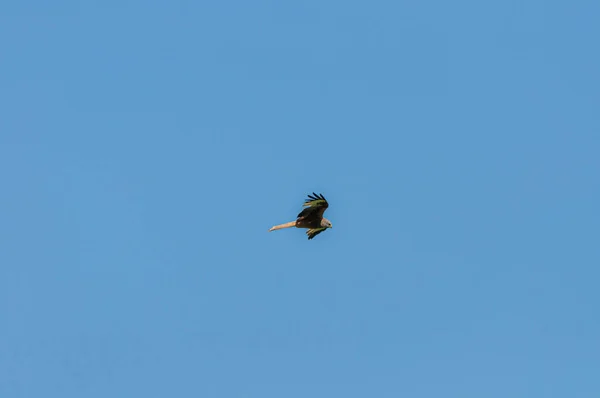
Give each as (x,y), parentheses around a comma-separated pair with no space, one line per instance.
(311,217)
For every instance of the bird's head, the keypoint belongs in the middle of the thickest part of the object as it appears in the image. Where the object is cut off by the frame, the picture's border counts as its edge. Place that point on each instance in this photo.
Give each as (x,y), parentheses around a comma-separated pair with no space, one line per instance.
(326,223)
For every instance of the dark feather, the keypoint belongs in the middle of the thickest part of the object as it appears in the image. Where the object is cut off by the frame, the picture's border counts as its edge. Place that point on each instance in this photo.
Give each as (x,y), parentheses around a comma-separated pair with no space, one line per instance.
(308,212)
(315,206)
(314,232)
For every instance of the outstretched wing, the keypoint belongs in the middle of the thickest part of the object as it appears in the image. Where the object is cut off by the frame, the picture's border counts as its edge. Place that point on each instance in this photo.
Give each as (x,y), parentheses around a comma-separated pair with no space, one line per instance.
(315,206)
(314,232)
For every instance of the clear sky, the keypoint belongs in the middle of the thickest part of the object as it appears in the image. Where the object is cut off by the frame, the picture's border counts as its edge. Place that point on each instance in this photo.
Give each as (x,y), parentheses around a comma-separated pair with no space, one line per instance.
(146,148)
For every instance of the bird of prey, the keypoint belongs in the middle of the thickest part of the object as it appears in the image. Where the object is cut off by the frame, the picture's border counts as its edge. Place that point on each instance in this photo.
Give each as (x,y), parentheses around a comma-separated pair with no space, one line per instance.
(311,217)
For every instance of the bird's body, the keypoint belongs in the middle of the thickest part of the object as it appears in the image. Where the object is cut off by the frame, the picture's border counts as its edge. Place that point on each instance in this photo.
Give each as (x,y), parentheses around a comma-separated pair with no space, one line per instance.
(311,217)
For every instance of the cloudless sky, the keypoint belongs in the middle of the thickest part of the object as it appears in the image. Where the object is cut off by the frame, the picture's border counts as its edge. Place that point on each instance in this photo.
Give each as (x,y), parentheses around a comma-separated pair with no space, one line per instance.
(146,147)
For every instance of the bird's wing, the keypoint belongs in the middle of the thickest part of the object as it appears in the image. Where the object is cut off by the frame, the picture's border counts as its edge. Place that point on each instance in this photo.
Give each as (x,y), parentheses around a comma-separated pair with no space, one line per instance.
(315,206)
(314,232)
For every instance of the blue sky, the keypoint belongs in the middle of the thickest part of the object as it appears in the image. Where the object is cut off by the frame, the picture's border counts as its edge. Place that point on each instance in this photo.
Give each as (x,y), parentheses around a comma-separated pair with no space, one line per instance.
(147,147)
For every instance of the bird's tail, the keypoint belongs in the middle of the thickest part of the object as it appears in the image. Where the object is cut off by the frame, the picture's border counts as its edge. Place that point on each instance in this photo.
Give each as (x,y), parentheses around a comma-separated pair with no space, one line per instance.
(281,226)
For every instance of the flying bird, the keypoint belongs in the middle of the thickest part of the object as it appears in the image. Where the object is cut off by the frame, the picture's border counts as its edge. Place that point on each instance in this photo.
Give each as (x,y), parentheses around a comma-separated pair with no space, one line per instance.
(311,217)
